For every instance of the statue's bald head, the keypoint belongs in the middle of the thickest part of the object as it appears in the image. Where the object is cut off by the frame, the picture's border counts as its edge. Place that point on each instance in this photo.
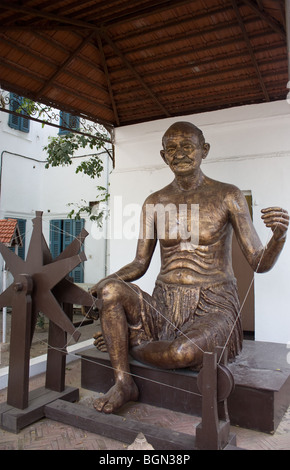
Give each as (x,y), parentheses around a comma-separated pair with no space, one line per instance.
(185,128)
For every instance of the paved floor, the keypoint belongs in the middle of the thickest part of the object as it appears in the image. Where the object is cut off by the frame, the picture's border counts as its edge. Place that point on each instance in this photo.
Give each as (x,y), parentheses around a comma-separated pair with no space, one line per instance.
(50,435)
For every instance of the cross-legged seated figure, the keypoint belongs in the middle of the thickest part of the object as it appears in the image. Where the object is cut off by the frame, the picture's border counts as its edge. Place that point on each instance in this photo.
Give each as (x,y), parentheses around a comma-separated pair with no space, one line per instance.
(195,305)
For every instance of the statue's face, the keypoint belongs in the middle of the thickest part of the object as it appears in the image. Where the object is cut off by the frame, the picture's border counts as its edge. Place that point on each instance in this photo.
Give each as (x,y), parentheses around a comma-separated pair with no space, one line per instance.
(183,151)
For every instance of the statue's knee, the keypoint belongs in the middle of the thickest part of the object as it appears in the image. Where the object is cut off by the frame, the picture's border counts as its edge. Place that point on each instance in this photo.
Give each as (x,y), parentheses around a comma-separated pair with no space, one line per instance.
(110,290)
(183,354)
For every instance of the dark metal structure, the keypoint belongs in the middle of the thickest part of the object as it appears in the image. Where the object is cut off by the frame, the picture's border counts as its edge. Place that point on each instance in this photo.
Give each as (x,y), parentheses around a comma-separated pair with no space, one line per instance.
(41,285)
(120,63)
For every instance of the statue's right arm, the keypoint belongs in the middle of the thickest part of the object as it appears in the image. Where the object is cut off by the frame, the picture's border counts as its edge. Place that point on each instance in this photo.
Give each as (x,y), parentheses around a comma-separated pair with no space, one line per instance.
(145,249)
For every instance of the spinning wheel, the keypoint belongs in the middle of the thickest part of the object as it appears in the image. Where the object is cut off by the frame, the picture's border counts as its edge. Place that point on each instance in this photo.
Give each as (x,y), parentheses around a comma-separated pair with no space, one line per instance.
(215,382)
(40,285)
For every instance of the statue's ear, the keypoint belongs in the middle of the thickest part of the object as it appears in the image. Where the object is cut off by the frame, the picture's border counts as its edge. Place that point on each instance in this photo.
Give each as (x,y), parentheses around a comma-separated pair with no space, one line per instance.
(162,153)
(206,149)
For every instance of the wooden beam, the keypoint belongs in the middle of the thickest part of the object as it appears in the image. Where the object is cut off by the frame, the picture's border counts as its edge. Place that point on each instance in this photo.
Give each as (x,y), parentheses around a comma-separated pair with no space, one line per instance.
(263,15)
(207,77)
(49,62)
(213,46)
(204,62)
(135,13)
(282,9)
(260,4)
(65,64)
(250,49)
(198,87)
(132,69)
(34,12)
(243,95)
(129,35)
(103,58)
(192,35)
(186,22)
(20,69)
(57,104)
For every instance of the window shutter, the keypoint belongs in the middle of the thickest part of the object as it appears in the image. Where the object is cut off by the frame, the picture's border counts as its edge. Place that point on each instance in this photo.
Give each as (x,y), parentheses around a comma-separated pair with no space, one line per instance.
(70,121)
(62,233)
(18,122)
(22,230)
(55,237)
(64,121)
(24,124)
(68,232)
(74,122)
(78,272)
(14,121)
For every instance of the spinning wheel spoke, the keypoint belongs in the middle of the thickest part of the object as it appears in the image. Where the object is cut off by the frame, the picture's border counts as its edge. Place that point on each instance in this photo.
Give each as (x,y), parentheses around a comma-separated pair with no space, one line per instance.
(74,247)
(67,291)
(34,259)
(14,264)
(6,297)
(49,306)
(56,271)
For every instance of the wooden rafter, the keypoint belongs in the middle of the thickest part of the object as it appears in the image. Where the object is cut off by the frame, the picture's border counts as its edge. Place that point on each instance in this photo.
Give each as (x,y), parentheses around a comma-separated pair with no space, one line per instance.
(130,35)
(212,76)
(250,49)
(132,6)
(219,59)
(46,61)
(100,45)
(135,73)
(190,35)
(155,7)
(65,64)
(77,111)
(220,83)
(48,16)
(209,48)
(266,17)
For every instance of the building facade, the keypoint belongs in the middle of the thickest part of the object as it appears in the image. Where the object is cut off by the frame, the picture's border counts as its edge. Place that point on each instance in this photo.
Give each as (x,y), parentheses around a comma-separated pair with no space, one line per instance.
(27,186)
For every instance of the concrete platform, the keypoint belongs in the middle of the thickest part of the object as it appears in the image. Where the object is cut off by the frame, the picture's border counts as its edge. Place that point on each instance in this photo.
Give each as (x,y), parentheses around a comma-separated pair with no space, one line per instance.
(258,402)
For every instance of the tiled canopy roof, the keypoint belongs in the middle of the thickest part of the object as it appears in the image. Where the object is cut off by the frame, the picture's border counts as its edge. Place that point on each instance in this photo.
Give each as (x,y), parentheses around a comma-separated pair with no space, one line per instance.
(122,63)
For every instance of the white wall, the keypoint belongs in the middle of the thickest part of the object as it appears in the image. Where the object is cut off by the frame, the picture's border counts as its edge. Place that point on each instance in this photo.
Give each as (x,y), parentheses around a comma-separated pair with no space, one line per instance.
(26,187)
(250,147)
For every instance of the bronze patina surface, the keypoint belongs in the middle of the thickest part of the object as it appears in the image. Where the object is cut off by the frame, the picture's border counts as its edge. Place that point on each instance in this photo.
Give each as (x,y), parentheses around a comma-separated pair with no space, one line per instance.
(194,307)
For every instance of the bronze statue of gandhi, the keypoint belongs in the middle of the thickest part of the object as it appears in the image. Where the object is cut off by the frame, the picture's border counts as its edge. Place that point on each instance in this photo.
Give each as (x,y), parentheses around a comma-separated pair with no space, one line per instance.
(194,306)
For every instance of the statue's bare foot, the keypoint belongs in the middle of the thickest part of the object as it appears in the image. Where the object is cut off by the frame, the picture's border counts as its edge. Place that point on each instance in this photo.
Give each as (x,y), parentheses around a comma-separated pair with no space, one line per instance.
(117,396)
(100,342)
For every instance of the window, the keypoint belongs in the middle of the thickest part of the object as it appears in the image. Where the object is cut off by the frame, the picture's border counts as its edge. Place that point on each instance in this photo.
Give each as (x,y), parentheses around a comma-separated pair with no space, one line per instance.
(22,230)
(70,121)
(18,121)
(62,233)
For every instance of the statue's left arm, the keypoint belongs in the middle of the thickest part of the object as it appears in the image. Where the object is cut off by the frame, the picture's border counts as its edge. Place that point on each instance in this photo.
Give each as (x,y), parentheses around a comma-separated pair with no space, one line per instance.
(261,258)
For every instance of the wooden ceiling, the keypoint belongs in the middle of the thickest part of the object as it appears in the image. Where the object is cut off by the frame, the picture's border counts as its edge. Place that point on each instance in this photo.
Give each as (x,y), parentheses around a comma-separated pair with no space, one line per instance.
(122,62)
